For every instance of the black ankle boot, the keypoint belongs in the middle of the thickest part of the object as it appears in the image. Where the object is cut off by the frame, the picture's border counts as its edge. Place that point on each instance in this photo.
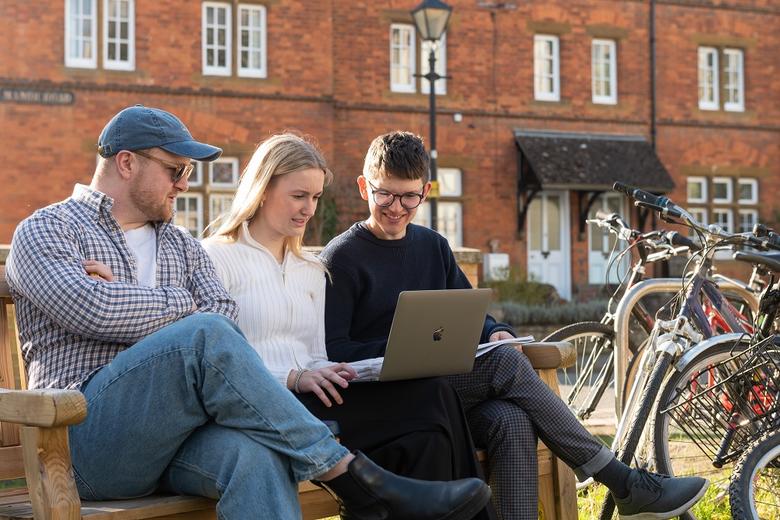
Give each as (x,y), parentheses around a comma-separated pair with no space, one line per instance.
(368,492)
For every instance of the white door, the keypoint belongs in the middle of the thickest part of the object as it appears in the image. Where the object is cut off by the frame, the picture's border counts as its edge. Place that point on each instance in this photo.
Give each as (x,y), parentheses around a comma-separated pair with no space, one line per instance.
(548,241)
(601,243)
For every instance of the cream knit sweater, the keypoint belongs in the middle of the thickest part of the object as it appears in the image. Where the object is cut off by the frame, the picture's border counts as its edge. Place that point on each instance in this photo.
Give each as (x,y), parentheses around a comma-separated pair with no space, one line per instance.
(281,307)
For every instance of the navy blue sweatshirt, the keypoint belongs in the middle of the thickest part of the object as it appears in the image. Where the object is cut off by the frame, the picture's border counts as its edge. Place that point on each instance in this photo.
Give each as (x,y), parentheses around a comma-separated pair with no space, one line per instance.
(368,273)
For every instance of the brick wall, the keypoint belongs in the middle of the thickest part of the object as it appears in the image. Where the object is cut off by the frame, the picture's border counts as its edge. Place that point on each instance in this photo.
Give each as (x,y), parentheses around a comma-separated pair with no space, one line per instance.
(328,64)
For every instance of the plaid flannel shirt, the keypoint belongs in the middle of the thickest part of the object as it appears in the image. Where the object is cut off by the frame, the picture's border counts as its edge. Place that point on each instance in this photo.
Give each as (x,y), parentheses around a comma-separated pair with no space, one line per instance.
(70,325)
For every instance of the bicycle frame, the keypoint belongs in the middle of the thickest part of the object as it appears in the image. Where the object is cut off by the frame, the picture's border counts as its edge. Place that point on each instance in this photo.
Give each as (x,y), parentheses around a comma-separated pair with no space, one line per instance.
(652,286)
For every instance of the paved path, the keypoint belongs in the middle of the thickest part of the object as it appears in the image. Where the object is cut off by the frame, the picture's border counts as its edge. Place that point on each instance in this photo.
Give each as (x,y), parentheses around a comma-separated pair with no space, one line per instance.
(602,420)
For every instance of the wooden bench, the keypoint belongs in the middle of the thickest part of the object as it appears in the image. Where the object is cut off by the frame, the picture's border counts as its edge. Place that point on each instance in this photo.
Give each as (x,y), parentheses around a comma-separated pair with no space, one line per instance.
(38,451)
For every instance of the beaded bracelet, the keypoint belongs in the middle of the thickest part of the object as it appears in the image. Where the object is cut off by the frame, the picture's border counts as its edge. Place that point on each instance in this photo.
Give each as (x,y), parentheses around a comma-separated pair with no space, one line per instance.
(298,379)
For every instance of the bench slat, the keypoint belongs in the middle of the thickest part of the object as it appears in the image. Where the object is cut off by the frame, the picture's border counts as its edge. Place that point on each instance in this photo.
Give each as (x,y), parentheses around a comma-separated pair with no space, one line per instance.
(11,462)
(18,507)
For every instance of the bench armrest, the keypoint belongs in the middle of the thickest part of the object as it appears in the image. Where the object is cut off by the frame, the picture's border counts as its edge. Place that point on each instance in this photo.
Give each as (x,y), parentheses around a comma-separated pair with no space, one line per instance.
(550,354)
(44,408)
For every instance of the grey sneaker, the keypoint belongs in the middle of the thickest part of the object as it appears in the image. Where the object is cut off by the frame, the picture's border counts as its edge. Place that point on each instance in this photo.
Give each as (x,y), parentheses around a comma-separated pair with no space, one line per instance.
(658,497)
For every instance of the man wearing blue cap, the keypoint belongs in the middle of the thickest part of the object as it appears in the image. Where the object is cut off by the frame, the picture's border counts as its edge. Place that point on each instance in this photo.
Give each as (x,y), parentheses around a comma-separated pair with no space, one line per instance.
(176,398)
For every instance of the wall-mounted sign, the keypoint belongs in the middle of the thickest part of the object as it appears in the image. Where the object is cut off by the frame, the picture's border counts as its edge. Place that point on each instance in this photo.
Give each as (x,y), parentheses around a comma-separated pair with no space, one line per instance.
(38,97)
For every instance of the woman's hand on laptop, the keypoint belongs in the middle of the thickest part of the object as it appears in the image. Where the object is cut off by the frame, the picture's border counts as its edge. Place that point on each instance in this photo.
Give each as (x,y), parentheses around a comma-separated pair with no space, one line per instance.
(323,382)
(502,334)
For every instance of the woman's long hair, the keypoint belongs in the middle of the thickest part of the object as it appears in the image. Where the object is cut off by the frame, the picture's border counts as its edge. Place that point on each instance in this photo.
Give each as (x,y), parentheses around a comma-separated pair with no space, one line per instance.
(278,155)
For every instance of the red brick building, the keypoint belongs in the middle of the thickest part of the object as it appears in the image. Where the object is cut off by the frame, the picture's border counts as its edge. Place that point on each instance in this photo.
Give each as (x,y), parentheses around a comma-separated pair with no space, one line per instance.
(531,81)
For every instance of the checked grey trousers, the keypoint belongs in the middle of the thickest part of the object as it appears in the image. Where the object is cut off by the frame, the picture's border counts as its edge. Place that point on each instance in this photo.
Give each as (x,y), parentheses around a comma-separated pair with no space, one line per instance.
(508,407)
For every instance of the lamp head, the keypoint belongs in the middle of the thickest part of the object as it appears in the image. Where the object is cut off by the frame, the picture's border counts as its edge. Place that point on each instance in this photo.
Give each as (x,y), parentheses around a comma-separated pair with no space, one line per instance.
(431,18)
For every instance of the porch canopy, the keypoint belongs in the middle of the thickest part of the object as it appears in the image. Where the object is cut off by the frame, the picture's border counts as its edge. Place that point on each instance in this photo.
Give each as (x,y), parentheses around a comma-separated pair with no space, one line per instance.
(585,163)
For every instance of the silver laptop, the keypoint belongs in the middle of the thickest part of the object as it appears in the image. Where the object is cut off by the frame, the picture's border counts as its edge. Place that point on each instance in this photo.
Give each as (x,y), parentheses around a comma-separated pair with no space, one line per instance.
(434,333)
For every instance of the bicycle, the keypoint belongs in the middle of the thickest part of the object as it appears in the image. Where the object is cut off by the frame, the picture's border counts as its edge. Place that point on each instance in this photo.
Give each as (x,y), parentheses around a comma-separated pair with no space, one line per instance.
(753,491)
(699,400)
(595,342)
(673,337)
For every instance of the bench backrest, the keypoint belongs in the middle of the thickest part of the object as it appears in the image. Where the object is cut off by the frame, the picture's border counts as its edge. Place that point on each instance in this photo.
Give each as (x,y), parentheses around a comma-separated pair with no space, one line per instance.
(12,376)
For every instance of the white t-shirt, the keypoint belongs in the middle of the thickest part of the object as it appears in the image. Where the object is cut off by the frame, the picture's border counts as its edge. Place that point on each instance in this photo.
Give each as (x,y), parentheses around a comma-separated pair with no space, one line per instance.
(142,242)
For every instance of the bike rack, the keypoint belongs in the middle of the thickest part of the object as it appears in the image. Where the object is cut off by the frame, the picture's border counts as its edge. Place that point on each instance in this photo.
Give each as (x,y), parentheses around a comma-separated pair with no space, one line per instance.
(632,297)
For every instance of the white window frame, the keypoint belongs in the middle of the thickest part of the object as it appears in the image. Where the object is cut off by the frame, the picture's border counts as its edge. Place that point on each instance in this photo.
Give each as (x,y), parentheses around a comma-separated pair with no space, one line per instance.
(200,171)
(753,183)
(119,64)
(752,212)
(262,70)
(729,227)
(734,79)
(703,182)
(597,57)
(423,218)
(213,197)
(234,163)
(199,211)
(216,70)
(729,182)
(441,65)
(450,182)
(450,185)
(70,33)
(713,71)
(412,65)
(540,42)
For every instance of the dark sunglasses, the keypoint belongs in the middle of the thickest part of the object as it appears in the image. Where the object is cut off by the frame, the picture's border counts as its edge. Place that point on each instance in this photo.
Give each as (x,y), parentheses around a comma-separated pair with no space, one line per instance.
(179,171)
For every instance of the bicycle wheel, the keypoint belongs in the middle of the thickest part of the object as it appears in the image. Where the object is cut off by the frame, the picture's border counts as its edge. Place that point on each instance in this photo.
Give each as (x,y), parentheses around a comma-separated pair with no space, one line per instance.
(677,450)
(630,441)
(583,385)
(754,491)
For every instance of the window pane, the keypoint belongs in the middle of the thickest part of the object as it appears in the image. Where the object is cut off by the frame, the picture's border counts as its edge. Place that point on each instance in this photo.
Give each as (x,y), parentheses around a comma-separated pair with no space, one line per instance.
(733,70)
(748,191)
(189,213)
(449,222)
(747,218)
(695,190)
(545,68)
(251,41)
(603,71)
(708,79)
(216,39)
(553,223)
(224,171)
(449,182)
(402,60)
(534,223)
(721,190)
(723,218)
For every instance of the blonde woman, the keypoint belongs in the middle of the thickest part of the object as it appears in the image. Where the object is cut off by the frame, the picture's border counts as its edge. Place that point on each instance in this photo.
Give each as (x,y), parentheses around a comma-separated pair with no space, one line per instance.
(416,428)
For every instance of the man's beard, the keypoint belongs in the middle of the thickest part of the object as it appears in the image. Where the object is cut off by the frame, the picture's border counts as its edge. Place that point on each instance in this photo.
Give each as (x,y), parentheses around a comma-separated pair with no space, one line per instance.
(144,200)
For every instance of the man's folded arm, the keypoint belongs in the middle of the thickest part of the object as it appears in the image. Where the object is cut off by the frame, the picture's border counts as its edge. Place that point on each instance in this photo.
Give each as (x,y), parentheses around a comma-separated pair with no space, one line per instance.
(45,267)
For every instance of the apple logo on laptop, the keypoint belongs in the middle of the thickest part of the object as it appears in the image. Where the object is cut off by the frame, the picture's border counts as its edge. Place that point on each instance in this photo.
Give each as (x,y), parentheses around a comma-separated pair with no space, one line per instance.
(438,334)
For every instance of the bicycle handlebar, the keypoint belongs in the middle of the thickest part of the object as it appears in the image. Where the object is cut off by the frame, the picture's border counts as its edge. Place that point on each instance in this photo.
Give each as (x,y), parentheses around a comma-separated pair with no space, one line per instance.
(676,239)
(761,238)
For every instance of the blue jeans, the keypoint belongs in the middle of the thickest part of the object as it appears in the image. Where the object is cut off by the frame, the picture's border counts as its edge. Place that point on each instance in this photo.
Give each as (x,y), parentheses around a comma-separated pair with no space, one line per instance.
(192,409)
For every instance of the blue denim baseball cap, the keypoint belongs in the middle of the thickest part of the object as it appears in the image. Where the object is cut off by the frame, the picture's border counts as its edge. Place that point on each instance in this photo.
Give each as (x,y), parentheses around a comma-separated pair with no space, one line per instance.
(139,127)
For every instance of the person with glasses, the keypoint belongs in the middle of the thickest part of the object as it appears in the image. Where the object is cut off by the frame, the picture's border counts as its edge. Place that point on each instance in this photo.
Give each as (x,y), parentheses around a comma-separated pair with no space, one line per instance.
(256,247)
(177,400)
(507,405)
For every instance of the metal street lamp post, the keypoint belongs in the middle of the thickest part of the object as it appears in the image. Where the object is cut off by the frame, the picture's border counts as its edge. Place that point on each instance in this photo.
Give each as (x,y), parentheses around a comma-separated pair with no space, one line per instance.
(431,18)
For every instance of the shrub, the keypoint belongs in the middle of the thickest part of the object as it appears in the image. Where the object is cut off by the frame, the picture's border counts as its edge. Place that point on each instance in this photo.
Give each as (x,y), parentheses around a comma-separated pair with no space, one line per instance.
(519,314)
(518,288)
